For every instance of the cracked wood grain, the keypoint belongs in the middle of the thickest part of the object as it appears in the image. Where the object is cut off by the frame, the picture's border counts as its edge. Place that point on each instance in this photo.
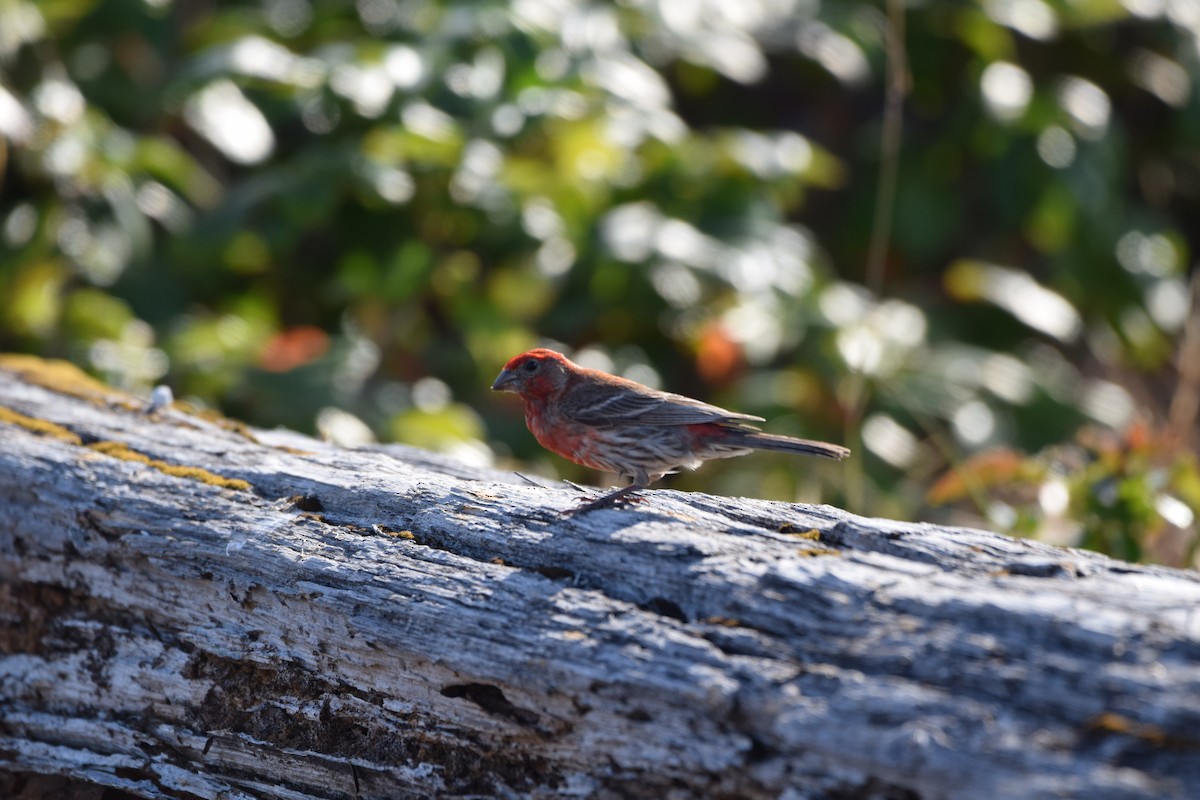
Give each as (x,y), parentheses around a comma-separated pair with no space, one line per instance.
(385,622)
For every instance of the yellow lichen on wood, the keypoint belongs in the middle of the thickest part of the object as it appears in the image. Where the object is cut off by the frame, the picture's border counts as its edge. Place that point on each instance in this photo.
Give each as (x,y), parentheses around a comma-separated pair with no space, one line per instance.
(219,419)
(40,426)
(811,534)
(64,377)
(1117,723)
(397,534)
(817,551)
(118,450)
(60,376)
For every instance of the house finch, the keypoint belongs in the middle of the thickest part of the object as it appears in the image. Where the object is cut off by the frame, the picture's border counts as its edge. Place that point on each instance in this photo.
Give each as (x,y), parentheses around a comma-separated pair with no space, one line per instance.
(617,425)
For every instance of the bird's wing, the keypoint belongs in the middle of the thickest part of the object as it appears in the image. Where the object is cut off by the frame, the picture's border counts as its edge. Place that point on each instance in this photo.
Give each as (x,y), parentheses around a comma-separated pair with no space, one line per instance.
(624,404)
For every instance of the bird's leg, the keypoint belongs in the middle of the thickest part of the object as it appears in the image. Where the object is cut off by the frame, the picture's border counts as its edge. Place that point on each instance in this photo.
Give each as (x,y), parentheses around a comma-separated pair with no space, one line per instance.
(636,483)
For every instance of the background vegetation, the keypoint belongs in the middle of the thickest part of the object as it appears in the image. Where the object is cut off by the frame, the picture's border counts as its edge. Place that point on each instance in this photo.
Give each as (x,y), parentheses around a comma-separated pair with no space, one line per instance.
(346,216)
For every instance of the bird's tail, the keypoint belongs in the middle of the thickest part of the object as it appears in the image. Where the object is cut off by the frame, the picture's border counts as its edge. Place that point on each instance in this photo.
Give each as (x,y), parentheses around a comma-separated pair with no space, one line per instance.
(788,444)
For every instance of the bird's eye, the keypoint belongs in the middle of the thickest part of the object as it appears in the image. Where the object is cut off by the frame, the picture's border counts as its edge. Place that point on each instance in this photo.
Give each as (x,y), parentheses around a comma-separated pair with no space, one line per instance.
(530,366)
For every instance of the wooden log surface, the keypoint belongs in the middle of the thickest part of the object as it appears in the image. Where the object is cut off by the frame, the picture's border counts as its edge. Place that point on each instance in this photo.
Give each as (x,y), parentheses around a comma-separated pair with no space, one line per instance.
(190,608)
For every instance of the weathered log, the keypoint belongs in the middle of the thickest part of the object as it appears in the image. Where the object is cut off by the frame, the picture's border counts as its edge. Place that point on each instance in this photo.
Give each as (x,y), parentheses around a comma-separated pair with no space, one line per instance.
(190,608)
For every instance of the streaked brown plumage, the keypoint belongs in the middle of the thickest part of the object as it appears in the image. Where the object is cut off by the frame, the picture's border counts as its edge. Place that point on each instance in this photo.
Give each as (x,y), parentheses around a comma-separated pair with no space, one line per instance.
(617,425)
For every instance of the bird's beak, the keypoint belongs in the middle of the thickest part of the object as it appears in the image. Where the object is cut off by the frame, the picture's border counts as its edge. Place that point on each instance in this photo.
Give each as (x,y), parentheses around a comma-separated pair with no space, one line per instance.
(503,381)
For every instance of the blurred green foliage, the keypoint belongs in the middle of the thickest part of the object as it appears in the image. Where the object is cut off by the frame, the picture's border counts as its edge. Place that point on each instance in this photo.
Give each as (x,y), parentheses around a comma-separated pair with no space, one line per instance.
(294,209)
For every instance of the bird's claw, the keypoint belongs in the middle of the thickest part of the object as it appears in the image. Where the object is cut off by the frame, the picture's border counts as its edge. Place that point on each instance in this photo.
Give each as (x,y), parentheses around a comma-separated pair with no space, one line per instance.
(624,496)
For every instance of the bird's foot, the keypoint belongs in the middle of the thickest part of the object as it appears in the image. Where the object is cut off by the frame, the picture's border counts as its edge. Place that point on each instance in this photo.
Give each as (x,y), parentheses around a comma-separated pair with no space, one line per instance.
(619,497)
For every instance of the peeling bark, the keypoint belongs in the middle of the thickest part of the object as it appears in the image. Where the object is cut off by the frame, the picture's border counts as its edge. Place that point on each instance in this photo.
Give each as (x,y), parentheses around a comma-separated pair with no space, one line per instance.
(384,622)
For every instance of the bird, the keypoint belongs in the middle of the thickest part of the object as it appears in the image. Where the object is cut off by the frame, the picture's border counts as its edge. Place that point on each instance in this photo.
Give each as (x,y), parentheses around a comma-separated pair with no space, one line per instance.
(614,424)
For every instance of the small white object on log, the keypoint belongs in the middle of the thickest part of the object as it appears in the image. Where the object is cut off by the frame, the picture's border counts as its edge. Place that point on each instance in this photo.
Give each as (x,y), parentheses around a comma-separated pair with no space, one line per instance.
(384,622)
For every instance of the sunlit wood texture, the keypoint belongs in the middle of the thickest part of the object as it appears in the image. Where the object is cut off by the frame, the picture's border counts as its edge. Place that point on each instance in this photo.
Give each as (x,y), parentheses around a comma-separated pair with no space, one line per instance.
(386,623)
